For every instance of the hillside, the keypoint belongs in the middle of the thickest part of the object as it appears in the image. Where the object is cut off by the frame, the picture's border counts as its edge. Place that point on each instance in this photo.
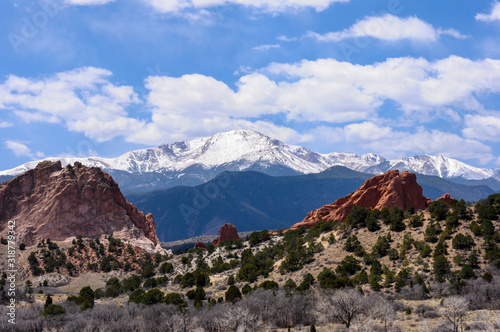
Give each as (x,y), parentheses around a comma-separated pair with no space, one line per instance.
(255,201)
(414,266)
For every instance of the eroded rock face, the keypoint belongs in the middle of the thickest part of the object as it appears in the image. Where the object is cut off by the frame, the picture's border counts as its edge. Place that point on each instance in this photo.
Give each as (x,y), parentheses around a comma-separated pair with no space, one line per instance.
(227,232)
(382,191)
(60,203)
(200,245)
(446,198)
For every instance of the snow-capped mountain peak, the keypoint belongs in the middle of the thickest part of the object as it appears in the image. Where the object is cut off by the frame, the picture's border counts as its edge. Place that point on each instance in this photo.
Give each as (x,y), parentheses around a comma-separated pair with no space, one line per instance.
(201,159)
(441,166)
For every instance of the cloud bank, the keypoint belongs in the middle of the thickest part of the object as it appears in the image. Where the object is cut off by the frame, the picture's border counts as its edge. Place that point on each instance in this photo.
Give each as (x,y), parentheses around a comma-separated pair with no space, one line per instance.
(337,100)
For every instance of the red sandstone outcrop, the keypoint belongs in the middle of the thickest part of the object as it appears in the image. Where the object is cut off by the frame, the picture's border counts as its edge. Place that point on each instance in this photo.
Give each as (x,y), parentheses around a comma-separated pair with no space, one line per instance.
(446,198)
(382,191)
(227,232)
(59,203)
(200,245)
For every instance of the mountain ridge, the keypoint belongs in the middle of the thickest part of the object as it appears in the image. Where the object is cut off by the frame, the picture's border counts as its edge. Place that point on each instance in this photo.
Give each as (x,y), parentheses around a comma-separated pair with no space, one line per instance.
(254,201)
(200,160)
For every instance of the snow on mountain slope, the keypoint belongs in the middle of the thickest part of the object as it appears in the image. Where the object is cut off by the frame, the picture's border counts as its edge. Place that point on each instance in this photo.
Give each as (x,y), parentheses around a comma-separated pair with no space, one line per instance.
(441,166)
(239,150)
(353,161)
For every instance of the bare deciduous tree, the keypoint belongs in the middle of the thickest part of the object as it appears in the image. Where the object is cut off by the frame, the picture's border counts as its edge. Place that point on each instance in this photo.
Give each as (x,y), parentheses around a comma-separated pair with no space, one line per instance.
(159,318)
(364,323)
(345,305)
(381,309)
(455,309)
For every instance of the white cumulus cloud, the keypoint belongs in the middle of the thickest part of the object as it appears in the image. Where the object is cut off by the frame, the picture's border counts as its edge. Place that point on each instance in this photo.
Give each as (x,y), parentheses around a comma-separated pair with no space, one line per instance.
(393,143)
(82,99)
(493,16)
(20,149)
(389,28)
(483,128)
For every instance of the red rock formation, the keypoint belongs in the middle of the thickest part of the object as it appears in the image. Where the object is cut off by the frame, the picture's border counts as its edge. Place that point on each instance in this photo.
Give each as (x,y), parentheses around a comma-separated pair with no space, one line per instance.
(59,203)
(227,232)
(200,245)
(446,198)
(382,191)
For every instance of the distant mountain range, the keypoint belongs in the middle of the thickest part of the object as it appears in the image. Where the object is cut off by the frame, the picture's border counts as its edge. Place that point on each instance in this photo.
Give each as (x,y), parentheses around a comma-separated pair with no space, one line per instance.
(197,161)
(255,201)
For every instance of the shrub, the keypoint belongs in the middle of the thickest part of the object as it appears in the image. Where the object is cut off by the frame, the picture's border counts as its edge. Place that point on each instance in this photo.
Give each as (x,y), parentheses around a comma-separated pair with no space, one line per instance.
(269,284)
(306,283)
(230,280)
(296,259)
(396,218)
(441,267)
(430,234)
(233,294)
(348,266)
(372,223)
(393,254)
(487,276)
(166,268)
(328,279)
(416,221)
(248,273)
(175,299)
(440,249)
(150,283)
(152,296)
(258,237)
(357,216)
(425,251)
(461,241)
(131,283)
(467,272)
(289,286)
(86,298)
(53,310)
(247,289)
(197,295)
(136,296)
(382,246)
(352,244)
(439,210)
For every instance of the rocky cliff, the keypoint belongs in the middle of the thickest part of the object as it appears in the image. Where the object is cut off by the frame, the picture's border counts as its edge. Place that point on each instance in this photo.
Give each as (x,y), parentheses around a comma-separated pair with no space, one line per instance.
(60,203)
(382,191)
(446,198)
(226,233)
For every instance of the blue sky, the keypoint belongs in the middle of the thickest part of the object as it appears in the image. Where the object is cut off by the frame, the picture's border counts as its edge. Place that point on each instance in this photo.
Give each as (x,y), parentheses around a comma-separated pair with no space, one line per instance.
(394,77)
